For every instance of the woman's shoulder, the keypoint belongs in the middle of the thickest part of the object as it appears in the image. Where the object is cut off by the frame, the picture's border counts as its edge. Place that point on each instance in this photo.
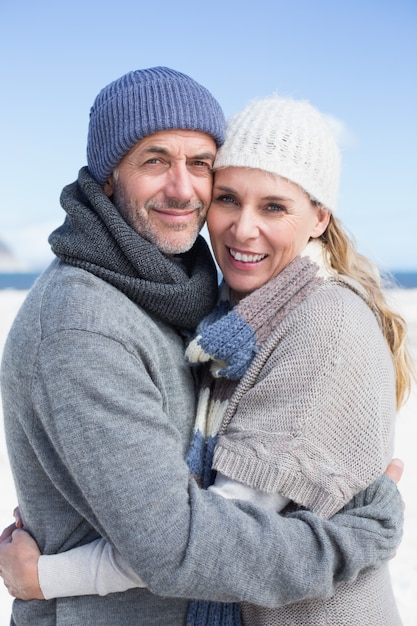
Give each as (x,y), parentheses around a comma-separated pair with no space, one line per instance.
(335,315)
(339,295)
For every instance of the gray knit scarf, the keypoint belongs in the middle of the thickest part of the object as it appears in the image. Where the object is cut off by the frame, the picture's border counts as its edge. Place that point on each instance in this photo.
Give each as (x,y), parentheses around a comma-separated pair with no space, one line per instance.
(95,237)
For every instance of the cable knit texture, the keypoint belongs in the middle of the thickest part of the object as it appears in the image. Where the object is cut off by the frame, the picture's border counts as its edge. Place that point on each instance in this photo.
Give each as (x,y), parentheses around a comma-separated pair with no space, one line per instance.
(299,398)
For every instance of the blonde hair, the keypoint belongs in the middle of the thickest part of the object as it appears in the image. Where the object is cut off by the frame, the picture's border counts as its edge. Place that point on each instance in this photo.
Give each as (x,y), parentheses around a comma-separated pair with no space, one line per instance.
(346,260)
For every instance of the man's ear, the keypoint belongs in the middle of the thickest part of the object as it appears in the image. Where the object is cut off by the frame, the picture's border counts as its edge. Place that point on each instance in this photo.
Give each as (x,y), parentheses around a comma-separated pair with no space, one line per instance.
(109,186)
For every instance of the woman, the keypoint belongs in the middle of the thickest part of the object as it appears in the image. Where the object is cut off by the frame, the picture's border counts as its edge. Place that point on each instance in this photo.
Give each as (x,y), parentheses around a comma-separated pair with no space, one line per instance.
(303,328)
(306,363)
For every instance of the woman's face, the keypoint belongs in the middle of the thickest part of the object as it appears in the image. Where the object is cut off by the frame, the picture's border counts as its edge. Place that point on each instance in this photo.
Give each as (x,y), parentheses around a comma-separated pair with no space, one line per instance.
(258,224)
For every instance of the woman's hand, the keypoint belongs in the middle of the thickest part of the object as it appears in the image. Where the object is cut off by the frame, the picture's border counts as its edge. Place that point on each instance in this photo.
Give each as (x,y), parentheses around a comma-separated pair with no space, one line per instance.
(7,532)
(19,556)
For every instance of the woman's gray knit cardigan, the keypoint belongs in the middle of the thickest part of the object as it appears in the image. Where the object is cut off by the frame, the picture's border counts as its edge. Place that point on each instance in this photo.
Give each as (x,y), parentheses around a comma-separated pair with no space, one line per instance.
(303,385)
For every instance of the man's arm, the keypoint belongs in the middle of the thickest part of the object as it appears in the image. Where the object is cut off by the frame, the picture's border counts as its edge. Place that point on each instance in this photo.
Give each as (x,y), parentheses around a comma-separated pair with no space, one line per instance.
(139,497)
(97,568)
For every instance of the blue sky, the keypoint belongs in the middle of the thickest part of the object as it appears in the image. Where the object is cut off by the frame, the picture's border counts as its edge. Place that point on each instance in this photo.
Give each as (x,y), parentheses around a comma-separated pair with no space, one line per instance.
(356,61)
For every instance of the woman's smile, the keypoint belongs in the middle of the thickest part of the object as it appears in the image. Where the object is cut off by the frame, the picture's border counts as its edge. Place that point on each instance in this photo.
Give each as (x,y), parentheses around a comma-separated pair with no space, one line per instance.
(258,224)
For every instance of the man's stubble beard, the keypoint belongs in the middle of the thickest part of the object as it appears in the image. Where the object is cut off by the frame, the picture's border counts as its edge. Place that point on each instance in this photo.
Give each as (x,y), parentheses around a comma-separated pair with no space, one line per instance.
(138,219)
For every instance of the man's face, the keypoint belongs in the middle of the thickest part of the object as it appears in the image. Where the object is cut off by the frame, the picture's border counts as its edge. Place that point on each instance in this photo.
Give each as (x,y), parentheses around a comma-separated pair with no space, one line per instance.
(162,187)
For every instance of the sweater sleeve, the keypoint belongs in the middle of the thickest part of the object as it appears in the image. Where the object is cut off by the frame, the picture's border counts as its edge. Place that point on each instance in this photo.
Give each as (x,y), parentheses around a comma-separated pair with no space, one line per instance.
(141,499)
(234,490)
(94,568)
(97,568)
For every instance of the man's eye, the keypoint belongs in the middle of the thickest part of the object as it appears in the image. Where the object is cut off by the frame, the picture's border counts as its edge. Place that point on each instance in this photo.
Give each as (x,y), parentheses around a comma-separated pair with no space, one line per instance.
(203,164)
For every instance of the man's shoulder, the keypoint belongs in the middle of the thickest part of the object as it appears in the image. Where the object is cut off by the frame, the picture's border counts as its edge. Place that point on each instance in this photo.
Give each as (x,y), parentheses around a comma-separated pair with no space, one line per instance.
(67,297)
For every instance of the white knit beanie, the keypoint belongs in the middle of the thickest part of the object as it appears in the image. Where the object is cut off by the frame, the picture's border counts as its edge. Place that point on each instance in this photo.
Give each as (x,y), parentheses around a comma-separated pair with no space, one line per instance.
(289,138)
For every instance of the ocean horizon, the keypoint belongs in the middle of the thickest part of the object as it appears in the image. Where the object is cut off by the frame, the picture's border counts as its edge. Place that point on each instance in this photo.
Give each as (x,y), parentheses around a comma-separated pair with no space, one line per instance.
(401,279)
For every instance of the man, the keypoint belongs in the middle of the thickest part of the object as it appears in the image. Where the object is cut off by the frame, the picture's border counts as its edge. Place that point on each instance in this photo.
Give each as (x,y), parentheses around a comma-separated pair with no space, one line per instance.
(99,403)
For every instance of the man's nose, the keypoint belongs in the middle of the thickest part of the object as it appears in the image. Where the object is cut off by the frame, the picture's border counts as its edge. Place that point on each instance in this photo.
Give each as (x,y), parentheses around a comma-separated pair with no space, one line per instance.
(179,185)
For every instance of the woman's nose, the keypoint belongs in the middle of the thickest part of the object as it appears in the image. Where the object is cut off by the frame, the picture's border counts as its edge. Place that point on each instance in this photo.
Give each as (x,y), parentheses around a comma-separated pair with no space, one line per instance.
(245,226)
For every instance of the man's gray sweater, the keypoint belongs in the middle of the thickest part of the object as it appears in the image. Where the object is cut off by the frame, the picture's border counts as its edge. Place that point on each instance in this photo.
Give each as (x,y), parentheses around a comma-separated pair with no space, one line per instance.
(98,409)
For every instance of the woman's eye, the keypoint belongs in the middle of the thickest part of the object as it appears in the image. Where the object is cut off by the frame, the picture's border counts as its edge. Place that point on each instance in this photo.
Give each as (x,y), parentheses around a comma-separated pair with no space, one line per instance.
(275,208)
(225,198)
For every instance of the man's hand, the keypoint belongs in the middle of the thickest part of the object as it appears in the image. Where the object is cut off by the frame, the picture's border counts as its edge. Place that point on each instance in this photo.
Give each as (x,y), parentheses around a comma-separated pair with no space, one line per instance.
(395,470)
(19,557)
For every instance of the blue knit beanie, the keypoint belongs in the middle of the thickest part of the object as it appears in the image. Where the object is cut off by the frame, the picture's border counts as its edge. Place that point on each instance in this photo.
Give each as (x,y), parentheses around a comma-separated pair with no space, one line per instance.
(143,102)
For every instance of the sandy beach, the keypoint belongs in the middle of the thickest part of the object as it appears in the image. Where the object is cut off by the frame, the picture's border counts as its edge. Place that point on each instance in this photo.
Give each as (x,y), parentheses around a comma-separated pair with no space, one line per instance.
(403,566)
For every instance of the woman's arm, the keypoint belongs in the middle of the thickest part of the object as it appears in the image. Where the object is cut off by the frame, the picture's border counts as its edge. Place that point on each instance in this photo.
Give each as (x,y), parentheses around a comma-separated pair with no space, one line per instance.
(95,568)
(234,490)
